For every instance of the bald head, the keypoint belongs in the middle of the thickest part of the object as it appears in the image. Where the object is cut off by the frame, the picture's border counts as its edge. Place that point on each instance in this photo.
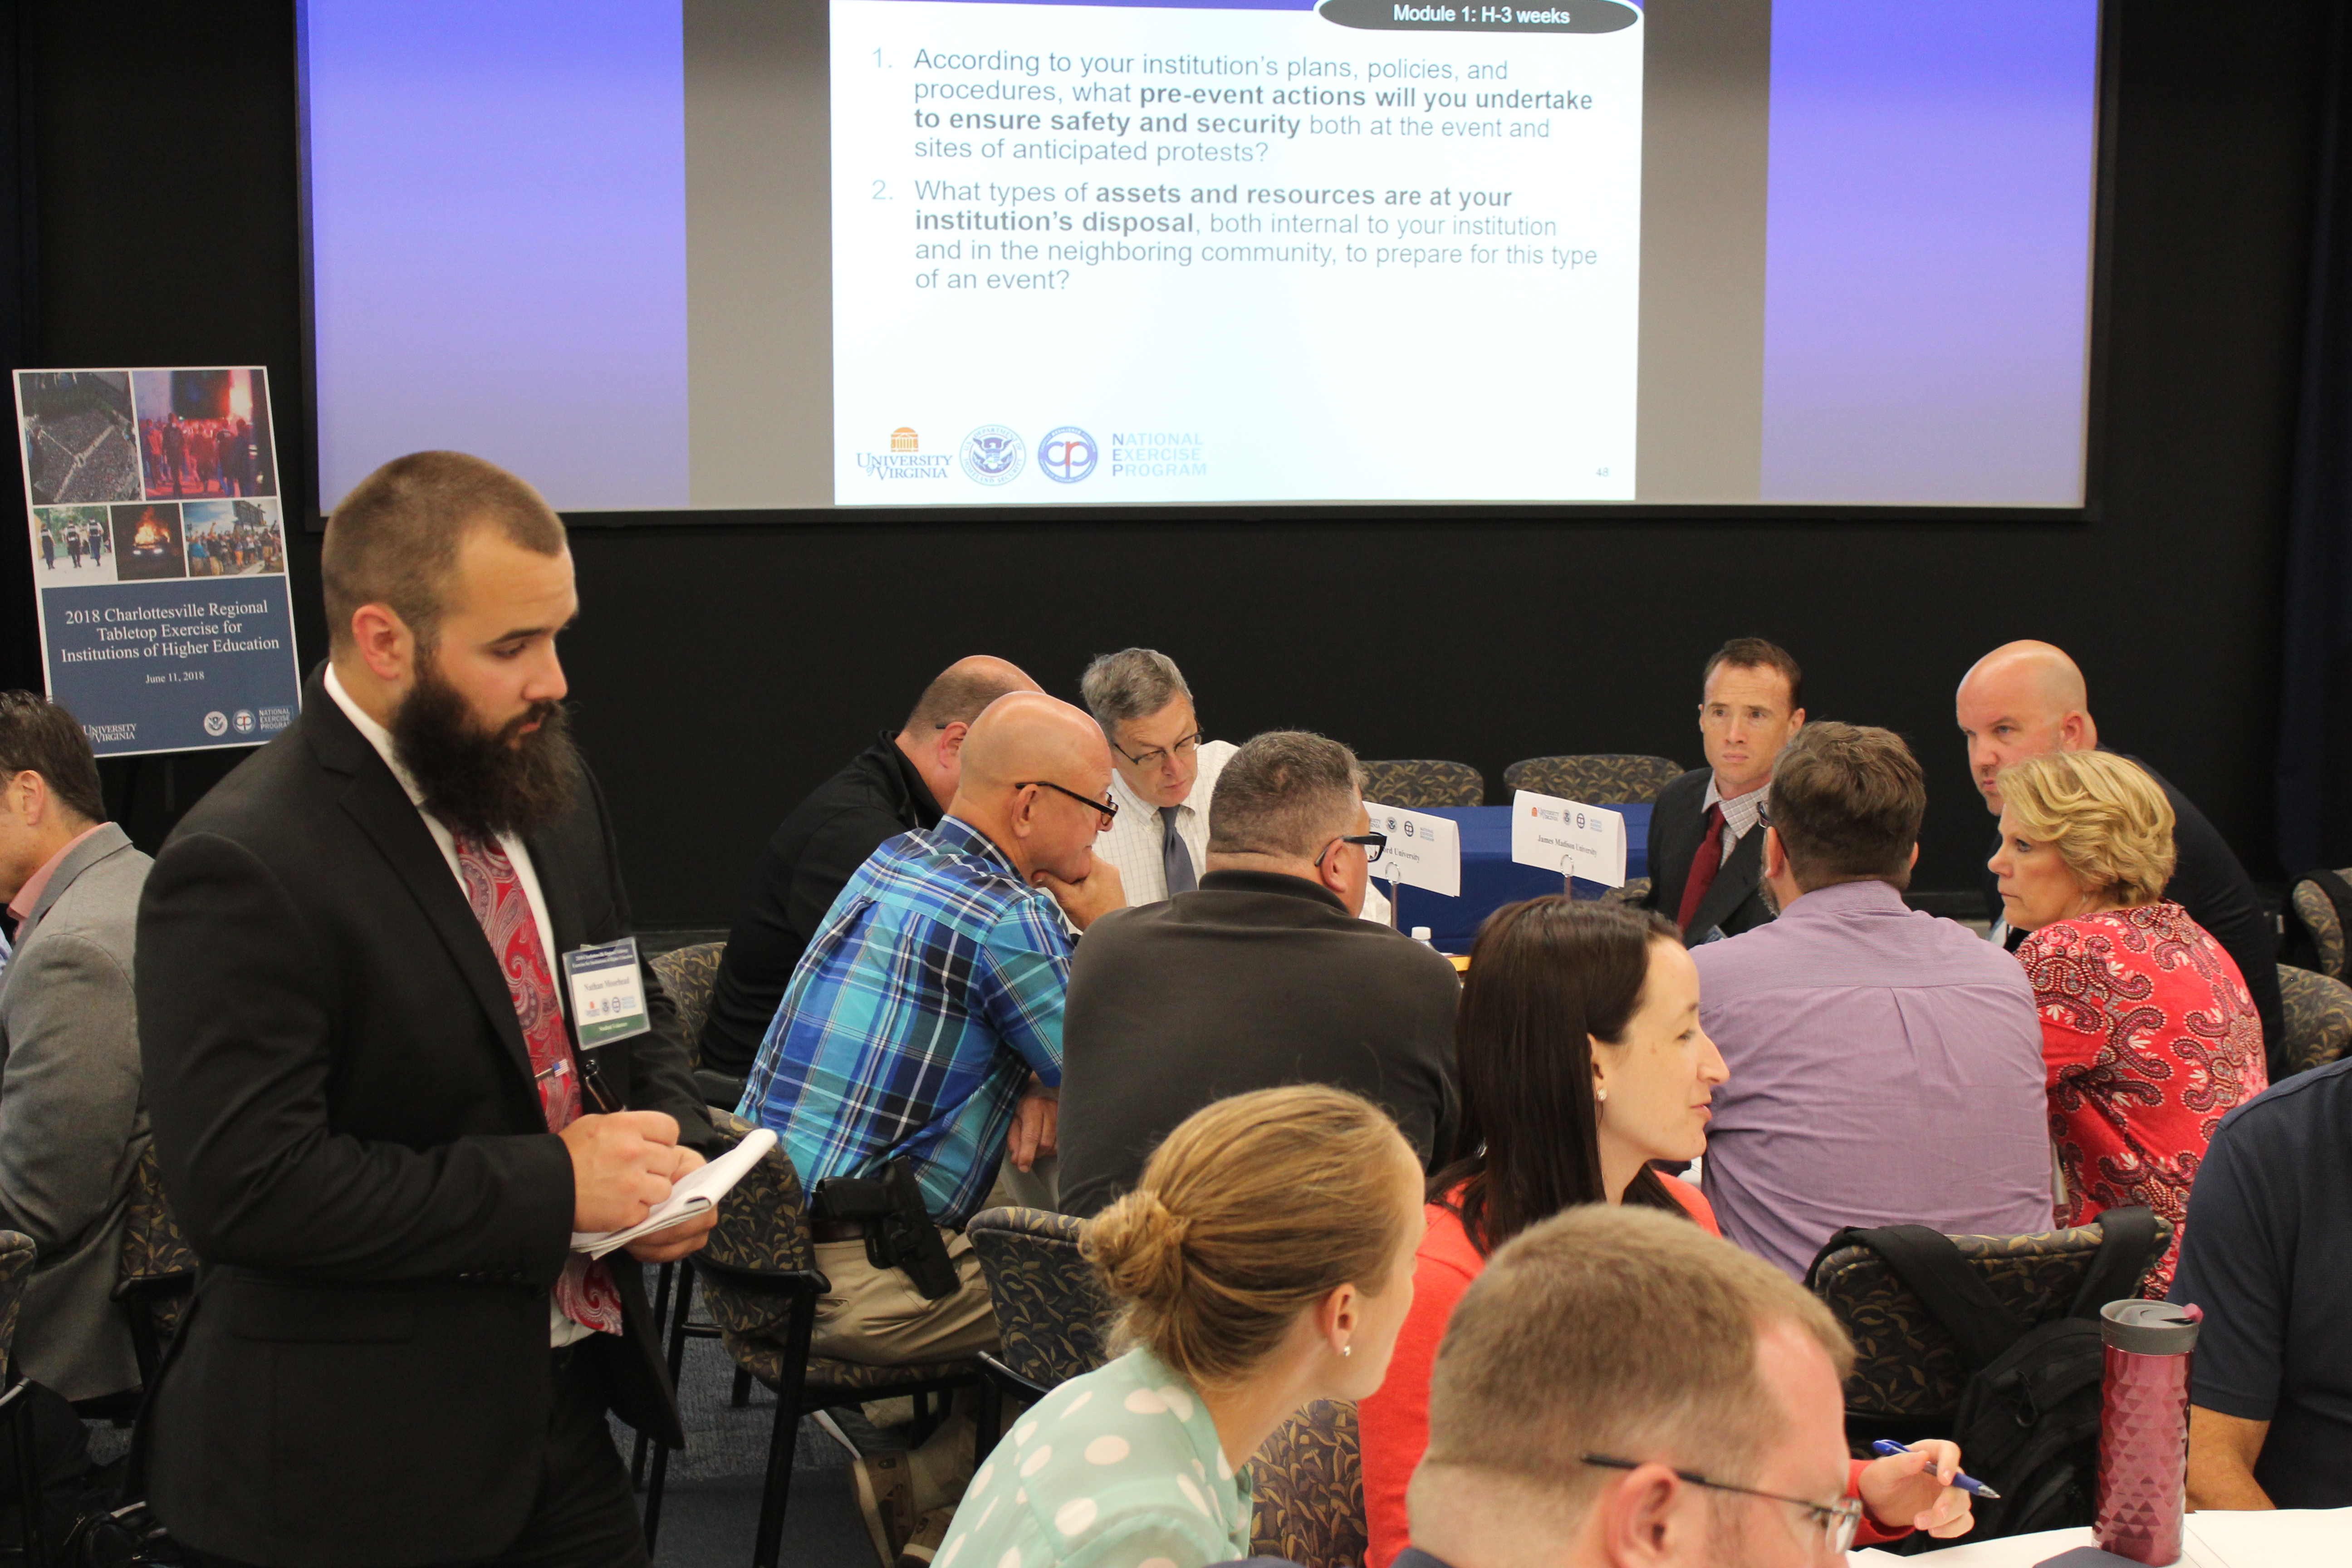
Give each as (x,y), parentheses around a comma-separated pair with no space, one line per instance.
(933,736)
(959,692)
(1029,735)
(1022,744)
(2023,699)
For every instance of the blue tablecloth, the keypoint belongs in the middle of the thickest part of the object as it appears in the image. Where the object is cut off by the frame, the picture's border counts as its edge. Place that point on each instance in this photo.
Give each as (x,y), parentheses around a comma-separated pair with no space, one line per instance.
(1490,878)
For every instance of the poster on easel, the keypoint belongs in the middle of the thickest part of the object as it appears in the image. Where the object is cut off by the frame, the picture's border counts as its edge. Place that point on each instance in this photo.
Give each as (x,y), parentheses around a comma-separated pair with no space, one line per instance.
(158,533)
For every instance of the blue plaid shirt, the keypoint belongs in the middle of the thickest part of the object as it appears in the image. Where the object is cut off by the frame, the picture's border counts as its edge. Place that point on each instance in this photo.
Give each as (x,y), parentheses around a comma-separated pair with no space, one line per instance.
(931,993)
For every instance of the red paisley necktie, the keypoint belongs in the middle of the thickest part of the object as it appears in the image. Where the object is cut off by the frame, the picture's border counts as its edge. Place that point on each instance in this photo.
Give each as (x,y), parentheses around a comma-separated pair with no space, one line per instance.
(585,1292)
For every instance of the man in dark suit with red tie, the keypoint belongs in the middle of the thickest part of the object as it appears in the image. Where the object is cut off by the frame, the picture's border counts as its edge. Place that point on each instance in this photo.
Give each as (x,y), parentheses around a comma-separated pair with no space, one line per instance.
(376,1110)
(1706,856)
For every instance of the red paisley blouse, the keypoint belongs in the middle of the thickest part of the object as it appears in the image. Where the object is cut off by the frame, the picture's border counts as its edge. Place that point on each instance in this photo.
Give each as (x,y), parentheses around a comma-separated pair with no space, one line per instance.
(2150,1039)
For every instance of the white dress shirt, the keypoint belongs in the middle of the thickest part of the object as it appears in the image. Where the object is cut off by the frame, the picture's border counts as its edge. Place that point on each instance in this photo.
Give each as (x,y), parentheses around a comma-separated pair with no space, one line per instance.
(1134,839)
(562,1331)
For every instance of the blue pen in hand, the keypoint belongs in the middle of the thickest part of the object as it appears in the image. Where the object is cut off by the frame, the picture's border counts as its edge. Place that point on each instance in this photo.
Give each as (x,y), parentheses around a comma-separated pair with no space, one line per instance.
(1967,1483)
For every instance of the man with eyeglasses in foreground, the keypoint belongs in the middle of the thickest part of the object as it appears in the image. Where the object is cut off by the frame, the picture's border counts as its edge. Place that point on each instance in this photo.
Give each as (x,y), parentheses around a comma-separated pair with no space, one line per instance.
(919,1043)
(1164,773)
(1621,1390)
(1261,976)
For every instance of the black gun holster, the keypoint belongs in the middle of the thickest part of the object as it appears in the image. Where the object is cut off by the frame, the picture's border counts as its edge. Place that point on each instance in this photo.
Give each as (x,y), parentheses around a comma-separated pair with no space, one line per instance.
(898,1229)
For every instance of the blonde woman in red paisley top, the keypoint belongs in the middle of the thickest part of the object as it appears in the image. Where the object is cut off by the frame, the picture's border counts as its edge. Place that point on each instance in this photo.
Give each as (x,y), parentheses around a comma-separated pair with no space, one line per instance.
(2147,1030)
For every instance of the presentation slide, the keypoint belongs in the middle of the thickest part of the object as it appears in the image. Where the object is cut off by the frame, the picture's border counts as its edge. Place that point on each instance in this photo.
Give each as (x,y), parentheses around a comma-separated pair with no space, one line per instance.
(732,255)
(1145,253)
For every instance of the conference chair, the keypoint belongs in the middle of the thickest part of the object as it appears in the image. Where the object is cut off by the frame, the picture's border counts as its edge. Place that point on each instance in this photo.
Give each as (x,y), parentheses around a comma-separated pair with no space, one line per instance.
(761,1282)
(1908,1368)
(1309,1481)
(15,1402)
(687,976)
(1424,783)
(2324,921)
(1051,1312)
(156,1272)
(1597,778)
(2318,1018)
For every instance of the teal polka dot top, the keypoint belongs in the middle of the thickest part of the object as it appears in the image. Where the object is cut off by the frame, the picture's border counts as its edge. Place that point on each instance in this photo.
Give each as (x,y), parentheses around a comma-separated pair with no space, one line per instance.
(1119,1468)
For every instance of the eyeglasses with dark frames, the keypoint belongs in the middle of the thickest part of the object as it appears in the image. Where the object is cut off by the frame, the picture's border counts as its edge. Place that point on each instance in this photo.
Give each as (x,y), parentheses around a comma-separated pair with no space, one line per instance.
(1375,844)
(1837,1520)
(1107,808)
(1157,756)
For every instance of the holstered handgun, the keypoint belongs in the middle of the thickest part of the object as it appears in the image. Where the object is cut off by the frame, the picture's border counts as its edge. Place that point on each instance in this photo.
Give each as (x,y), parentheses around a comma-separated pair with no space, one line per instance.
(898,1229)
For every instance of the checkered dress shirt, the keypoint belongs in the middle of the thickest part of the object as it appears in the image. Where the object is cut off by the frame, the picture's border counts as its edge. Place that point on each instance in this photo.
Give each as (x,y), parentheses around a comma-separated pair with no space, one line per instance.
(931,992)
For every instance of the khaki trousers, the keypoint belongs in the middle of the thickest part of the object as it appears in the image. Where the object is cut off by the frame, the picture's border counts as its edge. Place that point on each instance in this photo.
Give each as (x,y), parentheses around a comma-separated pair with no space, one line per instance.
(877,1317)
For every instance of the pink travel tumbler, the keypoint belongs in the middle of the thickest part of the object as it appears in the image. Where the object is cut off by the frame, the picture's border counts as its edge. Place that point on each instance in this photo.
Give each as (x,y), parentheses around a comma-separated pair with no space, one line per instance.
(2144,1428)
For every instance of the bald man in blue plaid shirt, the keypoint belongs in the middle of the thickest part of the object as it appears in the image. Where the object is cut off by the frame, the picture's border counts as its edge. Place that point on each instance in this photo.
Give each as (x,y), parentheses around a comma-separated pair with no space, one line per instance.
(925,1020)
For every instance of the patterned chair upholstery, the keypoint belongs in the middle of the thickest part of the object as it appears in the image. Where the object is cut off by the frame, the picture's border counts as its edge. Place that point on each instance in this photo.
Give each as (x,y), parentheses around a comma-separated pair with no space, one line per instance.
(1635,890)
(1421,783)
(1599,778)
(1051,1312)
(2318,911)
(761,1284)
(1309,1483)
(1907,1368)
(156,1271)
(2318,1012)
(688,973)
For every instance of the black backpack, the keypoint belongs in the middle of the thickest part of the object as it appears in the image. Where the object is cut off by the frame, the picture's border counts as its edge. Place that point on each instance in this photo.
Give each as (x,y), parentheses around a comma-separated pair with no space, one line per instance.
(2028,1424)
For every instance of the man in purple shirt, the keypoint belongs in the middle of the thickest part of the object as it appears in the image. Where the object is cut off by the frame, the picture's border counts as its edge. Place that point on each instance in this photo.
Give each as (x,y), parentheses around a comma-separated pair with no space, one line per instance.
(1886,1065)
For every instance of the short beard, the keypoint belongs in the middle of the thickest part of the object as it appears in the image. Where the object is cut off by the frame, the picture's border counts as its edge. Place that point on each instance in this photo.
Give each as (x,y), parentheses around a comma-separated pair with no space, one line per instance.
(484,782)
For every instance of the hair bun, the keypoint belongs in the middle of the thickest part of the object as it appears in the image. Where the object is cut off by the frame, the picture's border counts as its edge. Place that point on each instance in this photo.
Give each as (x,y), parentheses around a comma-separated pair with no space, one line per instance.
(1137,1243)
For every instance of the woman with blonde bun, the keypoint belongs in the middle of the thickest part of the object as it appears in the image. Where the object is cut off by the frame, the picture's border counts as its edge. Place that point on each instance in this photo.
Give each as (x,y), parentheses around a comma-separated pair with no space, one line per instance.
(1265,1262)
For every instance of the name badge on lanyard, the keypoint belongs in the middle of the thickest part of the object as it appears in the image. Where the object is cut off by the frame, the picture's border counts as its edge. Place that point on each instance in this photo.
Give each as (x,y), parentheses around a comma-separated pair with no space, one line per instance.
(608,993)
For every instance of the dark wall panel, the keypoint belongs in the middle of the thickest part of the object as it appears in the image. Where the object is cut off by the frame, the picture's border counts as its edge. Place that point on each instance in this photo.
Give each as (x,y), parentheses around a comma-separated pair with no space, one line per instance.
(722,670)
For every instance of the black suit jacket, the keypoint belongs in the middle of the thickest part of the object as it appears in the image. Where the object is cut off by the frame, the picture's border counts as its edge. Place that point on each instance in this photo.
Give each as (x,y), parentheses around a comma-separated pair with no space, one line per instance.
(815,851)
(2209,882)
(1735,899)
(1252,981)
(344,1111)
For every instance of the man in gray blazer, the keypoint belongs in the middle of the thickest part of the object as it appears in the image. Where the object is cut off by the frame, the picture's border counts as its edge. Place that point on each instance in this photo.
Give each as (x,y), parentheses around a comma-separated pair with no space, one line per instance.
(72,1119)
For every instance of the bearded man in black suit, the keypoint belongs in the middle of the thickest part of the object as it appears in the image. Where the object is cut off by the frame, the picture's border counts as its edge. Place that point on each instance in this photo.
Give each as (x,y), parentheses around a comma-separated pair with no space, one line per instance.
(376,1115)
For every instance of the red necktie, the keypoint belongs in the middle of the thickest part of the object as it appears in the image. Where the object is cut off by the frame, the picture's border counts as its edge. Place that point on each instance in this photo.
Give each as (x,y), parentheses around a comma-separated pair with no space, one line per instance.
(585,1291)
(1704,866)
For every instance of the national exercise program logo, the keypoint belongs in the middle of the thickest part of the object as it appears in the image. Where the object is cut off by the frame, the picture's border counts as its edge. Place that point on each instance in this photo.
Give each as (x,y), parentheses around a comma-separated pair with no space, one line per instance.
(992,455)
(1067,455)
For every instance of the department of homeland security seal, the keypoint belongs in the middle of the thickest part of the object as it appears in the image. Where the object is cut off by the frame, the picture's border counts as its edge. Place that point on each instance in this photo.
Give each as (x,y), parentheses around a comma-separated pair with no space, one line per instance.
(992,455)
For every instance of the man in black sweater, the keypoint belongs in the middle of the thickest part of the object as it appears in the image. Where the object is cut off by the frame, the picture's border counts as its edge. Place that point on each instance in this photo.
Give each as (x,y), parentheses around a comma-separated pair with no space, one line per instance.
(1261,976)
(893,786)
(2024,699)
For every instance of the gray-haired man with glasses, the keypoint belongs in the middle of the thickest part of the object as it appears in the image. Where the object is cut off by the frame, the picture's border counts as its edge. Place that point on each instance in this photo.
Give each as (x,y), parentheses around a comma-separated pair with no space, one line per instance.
(1617,1389)
(1262,975)
(1164,770)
